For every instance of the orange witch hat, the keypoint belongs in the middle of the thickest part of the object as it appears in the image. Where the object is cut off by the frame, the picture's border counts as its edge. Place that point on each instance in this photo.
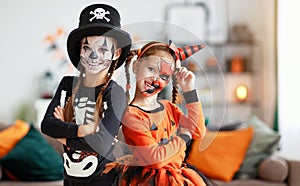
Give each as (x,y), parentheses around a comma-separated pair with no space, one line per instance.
(184,52)
(187,51)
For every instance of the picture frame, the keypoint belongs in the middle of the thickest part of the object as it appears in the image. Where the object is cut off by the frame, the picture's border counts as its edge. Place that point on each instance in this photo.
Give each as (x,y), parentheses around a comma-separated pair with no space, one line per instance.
(205,20)
(186,23)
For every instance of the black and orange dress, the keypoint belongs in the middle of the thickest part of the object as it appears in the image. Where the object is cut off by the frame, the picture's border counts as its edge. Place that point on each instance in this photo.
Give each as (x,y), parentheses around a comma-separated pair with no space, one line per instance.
(157,150)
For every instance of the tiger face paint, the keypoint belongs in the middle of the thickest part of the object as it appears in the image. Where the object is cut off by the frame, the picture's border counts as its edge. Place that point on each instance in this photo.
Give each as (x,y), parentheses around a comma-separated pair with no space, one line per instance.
(97,53)
(153,74)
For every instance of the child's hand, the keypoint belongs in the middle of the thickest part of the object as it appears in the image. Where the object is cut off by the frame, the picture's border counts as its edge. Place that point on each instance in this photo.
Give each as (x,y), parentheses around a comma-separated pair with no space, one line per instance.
(59,113)
(84,130)
(185,79)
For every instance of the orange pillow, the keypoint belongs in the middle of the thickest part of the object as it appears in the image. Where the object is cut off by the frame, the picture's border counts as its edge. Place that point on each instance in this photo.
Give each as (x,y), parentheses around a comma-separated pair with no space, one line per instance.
(10,136)
(220,154)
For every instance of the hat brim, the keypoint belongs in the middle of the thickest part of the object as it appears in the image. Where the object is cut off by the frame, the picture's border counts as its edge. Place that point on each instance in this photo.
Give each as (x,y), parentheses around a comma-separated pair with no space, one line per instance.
(74,39)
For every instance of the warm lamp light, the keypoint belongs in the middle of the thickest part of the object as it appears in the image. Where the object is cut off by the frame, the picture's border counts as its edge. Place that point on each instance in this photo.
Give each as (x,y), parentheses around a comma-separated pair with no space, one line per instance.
(241,93)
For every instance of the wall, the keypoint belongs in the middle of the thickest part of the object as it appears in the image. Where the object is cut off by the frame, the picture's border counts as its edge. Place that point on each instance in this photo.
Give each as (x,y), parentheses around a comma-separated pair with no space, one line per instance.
(288,77)
(260,15)
(25,56)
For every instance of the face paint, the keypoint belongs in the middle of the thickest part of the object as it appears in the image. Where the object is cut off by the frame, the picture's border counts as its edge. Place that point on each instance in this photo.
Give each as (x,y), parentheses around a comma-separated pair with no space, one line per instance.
(154,73)
(166,70)
(97,53)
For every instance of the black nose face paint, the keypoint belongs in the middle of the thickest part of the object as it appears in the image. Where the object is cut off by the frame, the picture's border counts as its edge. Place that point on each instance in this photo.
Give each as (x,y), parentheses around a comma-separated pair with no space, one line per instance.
(93,55)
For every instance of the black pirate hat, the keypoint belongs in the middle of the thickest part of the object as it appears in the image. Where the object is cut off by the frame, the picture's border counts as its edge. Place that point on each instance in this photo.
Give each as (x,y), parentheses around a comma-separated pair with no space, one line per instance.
(98,19)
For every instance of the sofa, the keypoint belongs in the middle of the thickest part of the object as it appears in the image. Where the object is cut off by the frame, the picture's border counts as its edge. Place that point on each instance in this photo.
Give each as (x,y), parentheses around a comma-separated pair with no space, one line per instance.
(273,170)
(269,174)
(243,153)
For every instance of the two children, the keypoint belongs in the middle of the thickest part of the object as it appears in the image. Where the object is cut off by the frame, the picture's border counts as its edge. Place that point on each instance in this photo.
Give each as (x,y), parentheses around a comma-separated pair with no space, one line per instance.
(86,111)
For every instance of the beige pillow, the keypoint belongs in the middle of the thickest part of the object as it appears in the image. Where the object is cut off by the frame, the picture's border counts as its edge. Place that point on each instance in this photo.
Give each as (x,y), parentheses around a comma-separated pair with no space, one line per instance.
(274,168)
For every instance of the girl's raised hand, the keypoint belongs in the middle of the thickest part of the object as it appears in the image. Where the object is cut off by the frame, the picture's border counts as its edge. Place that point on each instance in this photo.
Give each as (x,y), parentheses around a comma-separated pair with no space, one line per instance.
(185,79)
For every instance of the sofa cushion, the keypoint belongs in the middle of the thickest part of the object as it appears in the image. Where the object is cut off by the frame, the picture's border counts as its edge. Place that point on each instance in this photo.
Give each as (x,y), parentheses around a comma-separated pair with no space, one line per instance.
(273,168)
(33,159)
(264,143)
(11,135)
(220,154)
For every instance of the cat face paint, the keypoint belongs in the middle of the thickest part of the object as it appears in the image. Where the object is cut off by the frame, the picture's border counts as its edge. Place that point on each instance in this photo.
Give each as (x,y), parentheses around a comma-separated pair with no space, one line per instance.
(154,73)
(97,53)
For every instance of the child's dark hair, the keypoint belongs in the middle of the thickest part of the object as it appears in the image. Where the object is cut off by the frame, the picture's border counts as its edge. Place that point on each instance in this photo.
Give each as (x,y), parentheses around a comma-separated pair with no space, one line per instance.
(150,49)
(69,110)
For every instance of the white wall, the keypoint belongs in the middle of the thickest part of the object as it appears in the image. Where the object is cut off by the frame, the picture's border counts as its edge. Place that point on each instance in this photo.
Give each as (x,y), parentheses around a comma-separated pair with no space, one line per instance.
(288,74)
(260,16)
(24,24)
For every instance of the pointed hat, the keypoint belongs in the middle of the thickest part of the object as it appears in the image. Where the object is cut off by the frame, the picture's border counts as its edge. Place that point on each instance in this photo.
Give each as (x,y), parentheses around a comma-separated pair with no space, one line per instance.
(184,52)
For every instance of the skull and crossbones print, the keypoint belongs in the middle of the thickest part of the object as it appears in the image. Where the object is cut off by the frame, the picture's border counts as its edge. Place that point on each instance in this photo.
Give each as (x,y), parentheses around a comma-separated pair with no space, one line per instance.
(99,13)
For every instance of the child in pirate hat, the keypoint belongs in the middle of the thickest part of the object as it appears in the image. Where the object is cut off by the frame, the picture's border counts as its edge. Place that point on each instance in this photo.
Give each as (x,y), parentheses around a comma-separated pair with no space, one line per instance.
(85,112)
(156,131)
